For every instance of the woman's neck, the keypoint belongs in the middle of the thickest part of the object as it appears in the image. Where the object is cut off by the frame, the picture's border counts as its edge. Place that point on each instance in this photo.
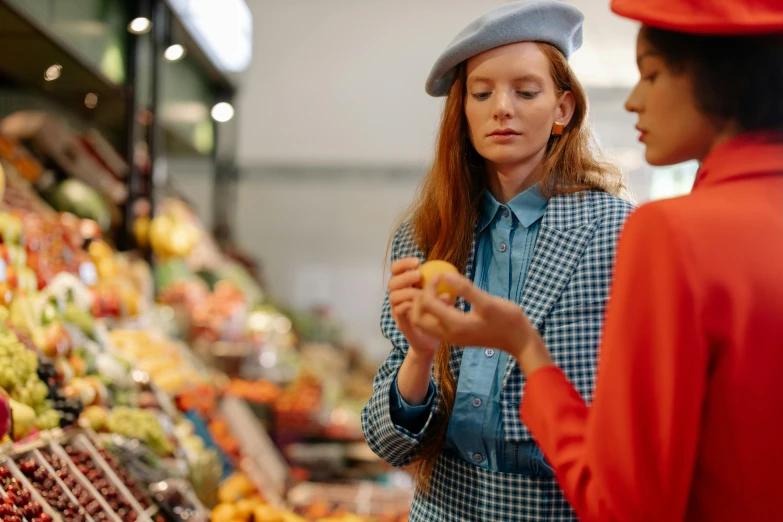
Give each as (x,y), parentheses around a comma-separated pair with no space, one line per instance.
(727,133)
(505,182)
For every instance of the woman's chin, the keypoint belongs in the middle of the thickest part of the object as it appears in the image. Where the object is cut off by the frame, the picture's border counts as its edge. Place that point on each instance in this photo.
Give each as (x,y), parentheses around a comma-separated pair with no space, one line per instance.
(659,158)
(504,157)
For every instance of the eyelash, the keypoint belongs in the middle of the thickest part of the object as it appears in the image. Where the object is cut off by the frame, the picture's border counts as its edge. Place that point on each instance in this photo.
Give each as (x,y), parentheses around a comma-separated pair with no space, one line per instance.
(650,77)
(527,95)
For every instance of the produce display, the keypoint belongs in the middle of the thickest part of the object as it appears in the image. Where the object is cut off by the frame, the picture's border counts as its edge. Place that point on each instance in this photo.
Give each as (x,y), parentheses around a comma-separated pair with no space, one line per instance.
(221,433)
(106,413)
(17,501)
(124,476)
(29,396)
(102,483)
(258,392)
(83,494)
(51,490)
(160,357)
(67,409)
(171,232)
(298,403)
(141,425)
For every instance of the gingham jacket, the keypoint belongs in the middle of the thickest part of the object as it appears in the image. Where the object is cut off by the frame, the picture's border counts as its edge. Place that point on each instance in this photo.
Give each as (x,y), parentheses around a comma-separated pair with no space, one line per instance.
(564,296)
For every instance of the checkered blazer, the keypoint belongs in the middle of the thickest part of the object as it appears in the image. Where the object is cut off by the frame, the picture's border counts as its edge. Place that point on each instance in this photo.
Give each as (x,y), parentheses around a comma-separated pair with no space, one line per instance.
(564,296)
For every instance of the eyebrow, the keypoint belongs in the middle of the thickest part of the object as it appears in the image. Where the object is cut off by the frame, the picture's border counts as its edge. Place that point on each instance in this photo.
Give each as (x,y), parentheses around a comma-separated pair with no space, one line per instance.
(524,77)
(648,54)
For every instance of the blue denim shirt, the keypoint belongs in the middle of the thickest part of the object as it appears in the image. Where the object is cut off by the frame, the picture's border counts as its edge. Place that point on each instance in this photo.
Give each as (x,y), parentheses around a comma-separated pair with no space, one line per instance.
(507,238)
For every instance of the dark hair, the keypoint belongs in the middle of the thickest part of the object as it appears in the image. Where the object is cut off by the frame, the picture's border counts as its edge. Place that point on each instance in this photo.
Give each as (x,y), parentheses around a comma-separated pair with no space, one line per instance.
(735,78)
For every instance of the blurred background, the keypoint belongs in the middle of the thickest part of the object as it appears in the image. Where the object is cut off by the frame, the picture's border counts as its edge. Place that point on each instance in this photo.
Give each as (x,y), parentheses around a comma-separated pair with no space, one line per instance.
(333,124)
(331,129)
(232,171)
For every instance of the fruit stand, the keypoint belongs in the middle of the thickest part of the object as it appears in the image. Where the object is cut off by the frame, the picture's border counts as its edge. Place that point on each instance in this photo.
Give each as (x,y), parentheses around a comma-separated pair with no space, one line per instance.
(162,394)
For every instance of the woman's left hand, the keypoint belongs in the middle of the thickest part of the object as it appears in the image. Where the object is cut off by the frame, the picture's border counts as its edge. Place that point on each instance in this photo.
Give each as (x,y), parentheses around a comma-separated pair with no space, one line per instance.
(492,322)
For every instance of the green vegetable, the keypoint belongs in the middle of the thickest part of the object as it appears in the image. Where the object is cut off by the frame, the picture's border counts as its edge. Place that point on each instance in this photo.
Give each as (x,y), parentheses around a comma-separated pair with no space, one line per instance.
(78,198)
(80,318)
(141,425)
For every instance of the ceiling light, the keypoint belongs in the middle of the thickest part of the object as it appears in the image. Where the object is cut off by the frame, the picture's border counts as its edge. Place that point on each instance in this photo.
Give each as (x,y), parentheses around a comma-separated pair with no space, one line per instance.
(224,30)
(53,72)
(140,25)
(222,112)
(174,52)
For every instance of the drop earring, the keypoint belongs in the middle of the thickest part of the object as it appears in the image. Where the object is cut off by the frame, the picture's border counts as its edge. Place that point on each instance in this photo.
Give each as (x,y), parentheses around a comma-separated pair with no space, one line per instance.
(557,128)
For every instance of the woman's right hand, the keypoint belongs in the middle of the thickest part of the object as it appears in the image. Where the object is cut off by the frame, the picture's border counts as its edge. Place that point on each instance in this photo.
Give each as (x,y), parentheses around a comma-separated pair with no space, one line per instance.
(404,286)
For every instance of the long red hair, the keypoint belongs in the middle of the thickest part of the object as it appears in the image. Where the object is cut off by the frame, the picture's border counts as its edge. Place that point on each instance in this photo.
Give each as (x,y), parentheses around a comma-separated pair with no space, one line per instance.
(445,212)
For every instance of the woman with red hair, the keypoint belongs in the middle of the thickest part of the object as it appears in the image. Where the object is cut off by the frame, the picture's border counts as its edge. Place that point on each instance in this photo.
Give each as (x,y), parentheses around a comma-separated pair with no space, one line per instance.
(519,201)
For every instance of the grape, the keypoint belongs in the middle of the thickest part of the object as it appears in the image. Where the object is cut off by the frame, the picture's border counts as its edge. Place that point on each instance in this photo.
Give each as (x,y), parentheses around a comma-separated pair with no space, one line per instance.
(42,408)
(32,361)
(6,379)
(19,377)
(48,420)
(39,392)
(141,425)
(24,395)
(21,366)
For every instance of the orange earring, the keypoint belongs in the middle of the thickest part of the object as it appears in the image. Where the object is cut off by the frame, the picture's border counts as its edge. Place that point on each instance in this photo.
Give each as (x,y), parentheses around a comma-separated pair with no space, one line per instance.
(557,128)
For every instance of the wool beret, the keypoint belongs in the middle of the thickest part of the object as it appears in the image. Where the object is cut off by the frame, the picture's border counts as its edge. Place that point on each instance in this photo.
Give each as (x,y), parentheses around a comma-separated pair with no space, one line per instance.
(706,16)
(547,21)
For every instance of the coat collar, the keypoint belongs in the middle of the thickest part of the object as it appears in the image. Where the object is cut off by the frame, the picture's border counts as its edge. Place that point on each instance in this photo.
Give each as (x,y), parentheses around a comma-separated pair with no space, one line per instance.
(566,230)
(753,153)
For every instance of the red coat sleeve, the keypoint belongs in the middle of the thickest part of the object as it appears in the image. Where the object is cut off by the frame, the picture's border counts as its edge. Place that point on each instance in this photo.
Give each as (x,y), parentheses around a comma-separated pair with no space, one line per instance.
(630,457)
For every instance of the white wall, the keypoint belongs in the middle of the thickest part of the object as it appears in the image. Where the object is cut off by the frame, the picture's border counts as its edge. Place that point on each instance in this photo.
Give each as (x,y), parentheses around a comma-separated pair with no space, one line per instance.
(333,101)
(343,81)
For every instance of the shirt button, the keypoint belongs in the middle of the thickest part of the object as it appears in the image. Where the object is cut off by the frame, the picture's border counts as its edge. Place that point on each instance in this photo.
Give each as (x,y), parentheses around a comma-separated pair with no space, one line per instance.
(505,212)
(478,458)
(489,352)
(476,402)
(502,247)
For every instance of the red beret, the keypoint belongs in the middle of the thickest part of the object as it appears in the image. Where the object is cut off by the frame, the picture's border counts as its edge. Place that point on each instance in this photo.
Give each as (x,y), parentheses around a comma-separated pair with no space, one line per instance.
(706,16)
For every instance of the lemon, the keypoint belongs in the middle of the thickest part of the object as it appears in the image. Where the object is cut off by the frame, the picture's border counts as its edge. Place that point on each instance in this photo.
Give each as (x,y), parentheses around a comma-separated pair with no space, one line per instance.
(430,269)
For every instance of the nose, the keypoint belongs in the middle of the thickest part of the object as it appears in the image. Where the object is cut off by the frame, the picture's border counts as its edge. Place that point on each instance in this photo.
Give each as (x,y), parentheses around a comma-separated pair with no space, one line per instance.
(504,108)
(634,101)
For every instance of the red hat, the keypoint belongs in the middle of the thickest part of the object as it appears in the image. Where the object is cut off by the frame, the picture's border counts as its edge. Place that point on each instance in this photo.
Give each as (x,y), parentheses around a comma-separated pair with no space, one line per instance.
(705,16)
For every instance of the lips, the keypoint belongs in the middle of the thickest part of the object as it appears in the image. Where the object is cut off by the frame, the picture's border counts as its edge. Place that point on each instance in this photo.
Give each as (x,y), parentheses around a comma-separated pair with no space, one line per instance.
(505,132)
(642,133)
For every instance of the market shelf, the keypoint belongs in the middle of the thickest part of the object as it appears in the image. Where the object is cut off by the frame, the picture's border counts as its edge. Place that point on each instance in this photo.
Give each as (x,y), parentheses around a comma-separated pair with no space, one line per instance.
(30,49)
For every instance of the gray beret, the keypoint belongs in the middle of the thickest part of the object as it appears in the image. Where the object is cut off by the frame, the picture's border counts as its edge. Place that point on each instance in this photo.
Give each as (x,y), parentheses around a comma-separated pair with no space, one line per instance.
(546,21)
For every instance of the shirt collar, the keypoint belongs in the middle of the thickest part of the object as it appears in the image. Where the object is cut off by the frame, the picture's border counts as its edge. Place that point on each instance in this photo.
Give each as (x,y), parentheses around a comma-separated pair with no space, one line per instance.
(752,153)
(527,207)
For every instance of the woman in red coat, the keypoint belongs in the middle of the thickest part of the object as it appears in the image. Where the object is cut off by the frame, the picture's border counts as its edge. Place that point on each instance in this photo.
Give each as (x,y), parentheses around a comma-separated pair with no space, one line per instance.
(687,416)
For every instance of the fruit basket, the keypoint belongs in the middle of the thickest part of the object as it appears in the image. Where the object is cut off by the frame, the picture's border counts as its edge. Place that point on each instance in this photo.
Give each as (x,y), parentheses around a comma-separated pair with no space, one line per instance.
(129,482)
(20,501)
(170,498)
(82,455)
(80,487)
(31,470)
